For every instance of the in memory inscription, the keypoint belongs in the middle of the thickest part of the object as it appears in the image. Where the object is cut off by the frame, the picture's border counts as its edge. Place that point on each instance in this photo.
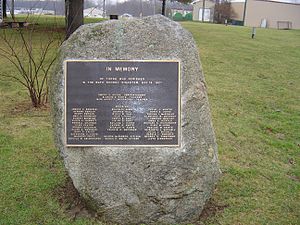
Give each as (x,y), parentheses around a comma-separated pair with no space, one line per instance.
(119,102)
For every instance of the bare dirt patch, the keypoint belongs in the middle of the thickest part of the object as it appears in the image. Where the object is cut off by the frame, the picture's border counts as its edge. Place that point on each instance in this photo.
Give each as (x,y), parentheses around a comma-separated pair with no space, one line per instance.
(71,201)
(75,207)
(21,108)
(211,209)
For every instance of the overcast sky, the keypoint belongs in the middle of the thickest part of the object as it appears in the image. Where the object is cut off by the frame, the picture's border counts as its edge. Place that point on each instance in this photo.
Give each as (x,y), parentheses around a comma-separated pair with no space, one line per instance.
(289,1)
(113,1)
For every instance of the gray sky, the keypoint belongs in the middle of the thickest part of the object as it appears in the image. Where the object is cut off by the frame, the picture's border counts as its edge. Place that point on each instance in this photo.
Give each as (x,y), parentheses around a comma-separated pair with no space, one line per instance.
(288,1)
(114,1)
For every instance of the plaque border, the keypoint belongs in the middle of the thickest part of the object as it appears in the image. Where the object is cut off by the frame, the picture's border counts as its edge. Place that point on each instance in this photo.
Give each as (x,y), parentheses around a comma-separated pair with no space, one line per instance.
(121,60)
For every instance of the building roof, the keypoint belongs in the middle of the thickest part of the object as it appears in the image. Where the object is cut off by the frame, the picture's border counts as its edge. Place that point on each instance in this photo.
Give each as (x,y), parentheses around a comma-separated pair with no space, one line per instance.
(196,1)
(293,2)
(179,5)
(282,2)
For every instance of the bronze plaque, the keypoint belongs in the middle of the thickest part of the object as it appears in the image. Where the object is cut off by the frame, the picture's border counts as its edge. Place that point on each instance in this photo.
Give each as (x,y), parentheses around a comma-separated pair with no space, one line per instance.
(122,102)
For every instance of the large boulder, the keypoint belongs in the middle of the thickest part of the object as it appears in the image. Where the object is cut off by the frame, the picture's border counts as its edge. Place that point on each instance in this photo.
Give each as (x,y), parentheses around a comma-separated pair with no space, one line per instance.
(133,185)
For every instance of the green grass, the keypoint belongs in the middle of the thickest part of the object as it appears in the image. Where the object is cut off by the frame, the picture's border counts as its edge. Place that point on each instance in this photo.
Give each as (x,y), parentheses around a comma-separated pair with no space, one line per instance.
(254,93)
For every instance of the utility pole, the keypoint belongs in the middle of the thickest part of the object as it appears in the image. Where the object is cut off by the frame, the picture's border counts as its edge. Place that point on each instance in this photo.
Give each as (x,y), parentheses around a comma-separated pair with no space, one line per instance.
(4,4)
(141,8)
(1,11)
(163,9)
(203,8)
(12,9)
(244,14)
(104,9)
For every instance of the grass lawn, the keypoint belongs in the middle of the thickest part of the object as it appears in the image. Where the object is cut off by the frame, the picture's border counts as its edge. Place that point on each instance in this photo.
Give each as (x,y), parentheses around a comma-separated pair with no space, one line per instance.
(254,93)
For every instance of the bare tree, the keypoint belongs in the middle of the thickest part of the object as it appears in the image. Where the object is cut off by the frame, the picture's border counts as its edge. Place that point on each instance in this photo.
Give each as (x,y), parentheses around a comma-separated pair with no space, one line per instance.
(12,9)
(32,53)
(223,11)
(74,15)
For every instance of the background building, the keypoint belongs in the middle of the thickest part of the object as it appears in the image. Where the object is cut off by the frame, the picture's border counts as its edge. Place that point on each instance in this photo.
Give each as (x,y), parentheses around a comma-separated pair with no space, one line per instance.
(93,12)
(208,15)
(266,13)
(179,11)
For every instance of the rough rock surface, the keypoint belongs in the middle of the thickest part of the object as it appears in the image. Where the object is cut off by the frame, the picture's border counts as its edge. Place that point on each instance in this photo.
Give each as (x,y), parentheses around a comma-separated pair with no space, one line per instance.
(131,185)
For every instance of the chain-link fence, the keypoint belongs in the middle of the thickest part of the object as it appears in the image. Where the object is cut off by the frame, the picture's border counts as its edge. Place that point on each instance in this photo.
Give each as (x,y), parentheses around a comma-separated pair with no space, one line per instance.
(105,8)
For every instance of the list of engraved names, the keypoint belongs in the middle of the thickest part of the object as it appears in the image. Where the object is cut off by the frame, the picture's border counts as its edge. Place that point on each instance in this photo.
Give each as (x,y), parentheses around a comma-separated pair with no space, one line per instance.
(122,103)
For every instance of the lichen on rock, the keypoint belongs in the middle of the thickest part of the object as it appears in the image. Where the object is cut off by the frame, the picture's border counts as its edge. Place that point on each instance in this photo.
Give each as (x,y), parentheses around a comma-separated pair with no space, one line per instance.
(133,185)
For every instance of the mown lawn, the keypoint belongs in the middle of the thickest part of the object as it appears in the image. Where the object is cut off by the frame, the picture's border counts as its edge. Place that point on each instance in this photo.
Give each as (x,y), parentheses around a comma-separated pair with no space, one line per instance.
(254,93)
